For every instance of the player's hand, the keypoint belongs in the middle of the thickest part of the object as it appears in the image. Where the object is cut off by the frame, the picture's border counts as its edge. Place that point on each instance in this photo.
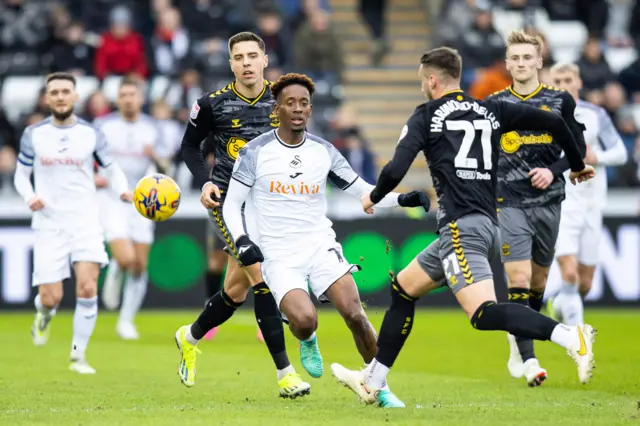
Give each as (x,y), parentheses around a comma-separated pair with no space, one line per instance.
(248,252)
(415,199)
(100,181)
(541,178)
(36,204)
(126,196)
(367,204)
(590,157)
(148,151)
(587,173)
(210,195)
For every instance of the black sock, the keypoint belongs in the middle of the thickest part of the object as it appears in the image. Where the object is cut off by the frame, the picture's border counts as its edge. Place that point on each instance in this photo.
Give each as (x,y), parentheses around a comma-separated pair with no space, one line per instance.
(270,323)
(396,325)
(535,300)
(217,310)
(525,345)
(516,319)
(213,283)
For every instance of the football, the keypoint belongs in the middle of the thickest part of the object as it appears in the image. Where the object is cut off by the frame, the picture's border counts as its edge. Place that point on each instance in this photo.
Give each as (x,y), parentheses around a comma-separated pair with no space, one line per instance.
(156,197)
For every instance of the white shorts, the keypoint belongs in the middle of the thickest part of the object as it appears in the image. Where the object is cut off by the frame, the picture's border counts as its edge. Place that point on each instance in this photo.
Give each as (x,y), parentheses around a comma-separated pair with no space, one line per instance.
(579,235)
(121,221)
(56,250)
(323,266)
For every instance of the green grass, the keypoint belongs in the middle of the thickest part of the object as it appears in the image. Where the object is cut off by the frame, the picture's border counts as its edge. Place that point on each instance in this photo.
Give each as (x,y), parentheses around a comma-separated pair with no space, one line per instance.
(448,374)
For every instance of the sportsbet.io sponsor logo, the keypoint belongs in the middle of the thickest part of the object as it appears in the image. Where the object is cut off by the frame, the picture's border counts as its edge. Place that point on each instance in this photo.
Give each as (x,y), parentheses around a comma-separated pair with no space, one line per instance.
(512,141)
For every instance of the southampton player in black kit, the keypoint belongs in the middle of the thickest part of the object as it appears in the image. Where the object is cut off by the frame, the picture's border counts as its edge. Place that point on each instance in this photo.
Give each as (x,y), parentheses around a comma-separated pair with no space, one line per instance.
(231,117)
(531,187)
(460,137)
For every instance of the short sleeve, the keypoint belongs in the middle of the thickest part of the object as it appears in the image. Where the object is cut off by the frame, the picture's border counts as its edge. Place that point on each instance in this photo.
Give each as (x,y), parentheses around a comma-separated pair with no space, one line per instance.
(341,173)
(244,169)
(414,135)
(27,153)
(101,153)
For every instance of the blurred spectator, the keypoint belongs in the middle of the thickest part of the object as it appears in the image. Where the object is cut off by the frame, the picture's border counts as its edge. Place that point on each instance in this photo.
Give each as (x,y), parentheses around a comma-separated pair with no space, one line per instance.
(629,174)
(24,35)
(276,39)
(481,45)
(122,49)
(170,43)
(59,20)
(317,50)
(617,30)
(97,105)
(594,69)
(594,14)
(184,93)
(73,53)
(614,100)
(358,154)
(630,78)
(205,19)
(170,129)
(373,14)
(490,80)
(8,149)
(295,12)
(95,14)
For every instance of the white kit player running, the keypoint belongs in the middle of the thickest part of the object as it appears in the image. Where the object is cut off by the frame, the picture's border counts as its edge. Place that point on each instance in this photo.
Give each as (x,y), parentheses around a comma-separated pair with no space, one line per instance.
(282,176)
(581,218)
(135,143)
(60,152)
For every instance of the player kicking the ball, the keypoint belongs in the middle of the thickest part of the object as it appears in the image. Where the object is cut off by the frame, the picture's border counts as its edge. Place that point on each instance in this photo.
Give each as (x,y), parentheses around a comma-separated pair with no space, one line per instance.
(282,176)
(581,216)
(60,152)
(460,136)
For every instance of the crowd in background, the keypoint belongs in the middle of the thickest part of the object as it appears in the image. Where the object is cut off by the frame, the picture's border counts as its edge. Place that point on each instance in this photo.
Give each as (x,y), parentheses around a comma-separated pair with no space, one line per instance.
(186,41)
(469,26)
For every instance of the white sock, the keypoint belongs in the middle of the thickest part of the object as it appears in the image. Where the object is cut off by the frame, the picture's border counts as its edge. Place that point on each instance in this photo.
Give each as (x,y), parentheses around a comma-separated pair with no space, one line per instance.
(310,338)
(47,312)
(114,274)
(135,289)
(376,375)
(287,370)
(565,336)
(571,305)
(367,368)
(190,337)
(84,321)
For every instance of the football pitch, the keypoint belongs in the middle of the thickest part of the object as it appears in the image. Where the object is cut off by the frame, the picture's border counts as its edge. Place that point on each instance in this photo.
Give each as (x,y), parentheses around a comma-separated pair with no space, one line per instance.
(448,374)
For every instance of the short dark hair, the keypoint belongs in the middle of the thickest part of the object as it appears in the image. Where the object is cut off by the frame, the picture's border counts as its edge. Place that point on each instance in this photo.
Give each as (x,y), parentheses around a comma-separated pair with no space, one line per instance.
(290,79)
(61,76)
(444,59)
(129,82)
(246,36)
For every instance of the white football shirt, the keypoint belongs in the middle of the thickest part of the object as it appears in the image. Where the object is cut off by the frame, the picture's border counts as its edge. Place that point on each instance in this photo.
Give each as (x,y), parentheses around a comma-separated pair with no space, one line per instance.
(62,158)
(286,188)
(127,141)
(603,139)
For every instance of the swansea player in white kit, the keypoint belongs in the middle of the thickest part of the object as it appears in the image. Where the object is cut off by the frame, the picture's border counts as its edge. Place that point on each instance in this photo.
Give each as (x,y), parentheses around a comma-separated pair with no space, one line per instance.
(60,152)
(282,176)
(135,142)
(581,215)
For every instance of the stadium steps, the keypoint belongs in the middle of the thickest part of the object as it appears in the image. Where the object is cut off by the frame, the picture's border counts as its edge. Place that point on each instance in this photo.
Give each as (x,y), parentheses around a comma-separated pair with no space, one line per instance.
(384,96)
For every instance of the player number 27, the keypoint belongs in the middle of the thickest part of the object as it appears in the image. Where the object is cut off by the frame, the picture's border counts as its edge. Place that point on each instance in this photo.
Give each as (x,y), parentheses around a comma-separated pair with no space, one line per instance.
(462,160)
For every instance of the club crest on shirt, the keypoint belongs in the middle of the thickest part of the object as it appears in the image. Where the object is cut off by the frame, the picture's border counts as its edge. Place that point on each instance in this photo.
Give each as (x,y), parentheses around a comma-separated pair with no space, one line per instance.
(403,133)
(195,109)
(234,145)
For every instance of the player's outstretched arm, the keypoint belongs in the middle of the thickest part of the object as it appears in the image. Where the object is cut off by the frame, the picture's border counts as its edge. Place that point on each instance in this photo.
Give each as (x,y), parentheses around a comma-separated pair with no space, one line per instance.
(24,168)
(521,116)
(199,126)
(413,139)
(577,130)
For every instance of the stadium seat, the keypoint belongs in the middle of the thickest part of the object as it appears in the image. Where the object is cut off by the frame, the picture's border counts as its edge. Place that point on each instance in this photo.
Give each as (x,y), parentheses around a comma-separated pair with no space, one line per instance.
(21,93)
(506,20)
(85,86)
(620,58)
(110,87)
(158,88)
(566,39)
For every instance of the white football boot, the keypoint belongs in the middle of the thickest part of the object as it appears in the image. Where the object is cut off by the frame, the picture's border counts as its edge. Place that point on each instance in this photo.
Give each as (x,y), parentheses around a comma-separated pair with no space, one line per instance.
(582,353)
(354,380)
(515,364)
(533,373)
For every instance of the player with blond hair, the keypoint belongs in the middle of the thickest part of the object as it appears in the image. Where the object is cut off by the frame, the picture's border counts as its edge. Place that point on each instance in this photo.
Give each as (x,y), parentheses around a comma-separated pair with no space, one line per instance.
(581,218)
(531,186)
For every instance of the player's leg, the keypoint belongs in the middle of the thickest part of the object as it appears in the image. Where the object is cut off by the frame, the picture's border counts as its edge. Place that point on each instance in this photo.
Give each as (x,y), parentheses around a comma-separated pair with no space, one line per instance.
(288,288)
(135,290)
(516,233)
(588,257)
(87,256)
(216,264)
(50,268)
(85,315)
(567,249)
(411,283)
